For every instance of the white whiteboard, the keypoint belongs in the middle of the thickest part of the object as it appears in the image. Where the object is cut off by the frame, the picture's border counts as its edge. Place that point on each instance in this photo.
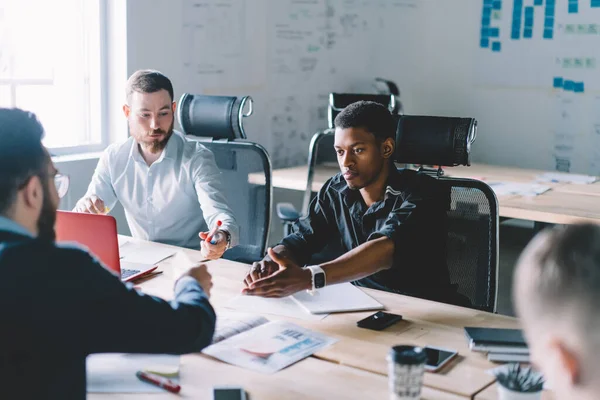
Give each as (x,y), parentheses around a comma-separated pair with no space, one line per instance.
(289,54)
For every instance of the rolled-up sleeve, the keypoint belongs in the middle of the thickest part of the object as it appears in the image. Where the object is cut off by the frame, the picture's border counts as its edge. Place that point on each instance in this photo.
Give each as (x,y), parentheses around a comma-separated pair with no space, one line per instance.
(207,182)
(314,231)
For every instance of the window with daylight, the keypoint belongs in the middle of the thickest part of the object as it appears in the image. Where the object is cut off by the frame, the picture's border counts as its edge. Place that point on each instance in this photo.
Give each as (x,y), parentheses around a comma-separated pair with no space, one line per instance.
(52,63)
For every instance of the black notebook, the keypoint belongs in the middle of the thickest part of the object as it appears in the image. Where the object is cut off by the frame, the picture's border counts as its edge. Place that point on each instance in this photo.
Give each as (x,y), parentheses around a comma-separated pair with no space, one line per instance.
(494,336)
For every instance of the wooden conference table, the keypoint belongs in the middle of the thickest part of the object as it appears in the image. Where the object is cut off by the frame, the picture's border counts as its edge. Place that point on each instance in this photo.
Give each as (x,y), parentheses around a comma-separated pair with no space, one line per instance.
(354,367)
(564,204)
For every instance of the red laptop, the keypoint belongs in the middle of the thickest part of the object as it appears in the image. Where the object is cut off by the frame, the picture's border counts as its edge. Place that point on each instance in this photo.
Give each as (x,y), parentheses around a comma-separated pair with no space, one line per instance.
(99,234)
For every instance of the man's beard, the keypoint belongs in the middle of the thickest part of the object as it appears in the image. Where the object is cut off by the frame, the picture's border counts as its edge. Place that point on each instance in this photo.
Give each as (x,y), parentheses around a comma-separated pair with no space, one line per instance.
(158,145)
(47,218)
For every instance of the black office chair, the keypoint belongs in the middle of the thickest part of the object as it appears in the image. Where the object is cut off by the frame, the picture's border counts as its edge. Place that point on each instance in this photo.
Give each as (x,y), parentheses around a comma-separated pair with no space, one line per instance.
(217,122)
(472,245)
(323,140)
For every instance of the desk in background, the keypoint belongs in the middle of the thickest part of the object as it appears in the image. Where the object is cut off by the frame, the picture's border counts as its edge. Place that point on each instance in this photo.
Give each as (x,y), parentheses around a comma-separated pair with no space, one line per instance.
(355,367)
(563,204)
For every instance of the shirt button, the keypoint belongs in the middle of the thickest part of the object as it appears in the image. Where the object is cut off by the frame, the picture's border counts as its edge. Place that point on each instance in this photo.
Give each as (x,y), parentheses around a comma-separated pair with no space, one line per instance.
(149,173)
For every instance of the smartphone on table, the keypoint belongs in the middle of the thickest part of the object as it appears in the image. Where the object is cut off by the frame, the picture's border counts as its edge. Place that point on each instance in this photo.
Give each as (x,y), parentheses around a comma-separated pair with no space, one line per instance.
(229,393)
(438,357)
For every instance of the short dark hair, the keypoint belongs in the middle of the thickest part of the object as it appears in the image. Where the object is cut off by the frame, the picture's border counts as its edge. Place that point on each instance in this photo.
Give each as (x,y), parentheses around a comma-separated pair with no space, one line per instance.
(22,154)
(369,115)
(148,81)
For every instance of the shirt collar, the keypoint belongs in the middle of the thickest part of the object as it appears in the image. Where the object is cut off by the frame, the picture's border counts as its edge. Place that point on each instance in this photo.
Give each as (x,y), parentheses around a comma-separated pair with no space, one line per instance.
(9,225)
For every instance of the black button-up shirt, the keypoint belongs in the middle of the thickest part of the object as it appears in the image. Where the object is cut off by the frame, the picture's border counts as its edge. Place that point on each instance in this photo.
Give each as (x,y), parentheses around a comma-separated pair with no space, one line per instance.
(412,214)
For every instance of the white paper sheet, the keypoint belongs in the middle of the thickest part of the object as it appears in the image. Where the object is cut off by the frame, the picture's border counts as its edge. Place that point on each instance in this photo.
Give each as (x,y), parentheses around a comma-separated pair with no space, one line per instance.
(115,372)
(518,188)
(557,177)
(284,306)
(142,253)
(343,297)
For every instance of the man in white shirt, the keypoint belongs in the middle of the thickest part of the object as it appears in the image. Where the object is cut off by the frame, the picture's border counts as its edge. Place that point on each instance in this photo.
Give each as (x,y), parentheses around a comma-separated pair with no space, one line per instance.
(169,187)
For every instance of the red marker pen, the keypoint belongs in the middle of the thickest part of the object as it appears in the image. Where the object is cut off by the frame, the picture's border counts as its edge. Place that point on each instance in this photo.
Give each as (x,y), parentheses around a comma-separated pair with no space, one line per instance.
(212,233)
(159,381)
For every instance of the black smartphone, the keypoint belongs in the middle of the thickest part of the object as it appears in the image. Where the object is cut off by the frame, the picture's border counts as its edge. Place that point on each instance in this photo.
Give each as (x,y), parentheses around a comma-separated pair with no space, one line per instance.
(378,321)
(229,393)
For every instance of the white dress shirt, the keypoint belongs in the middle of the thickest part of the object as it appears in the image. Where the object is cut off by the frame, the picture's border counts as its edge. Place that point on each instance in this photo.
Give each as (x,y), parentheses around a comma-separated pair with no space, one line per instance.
(170,201)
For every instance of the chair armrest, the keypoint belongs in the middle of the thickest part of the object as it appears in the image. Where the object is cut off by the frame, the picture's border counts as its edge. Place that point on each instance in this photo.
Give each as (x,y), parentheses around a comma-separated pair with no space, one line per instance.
(287,212)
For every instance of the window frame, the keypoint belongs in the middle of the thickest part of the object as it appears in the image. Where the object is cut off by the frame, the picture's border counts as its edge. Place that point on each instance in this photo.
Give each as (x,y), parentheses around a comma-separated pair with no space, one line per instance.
(103,101)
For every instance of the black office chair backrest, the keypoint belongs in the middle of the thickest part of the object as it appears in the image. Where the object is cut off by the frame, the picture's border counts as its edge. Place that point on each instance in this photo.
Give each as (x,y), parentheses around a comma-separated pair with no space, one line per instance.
(250,201)
(429,140)
(339,101)
(217,117)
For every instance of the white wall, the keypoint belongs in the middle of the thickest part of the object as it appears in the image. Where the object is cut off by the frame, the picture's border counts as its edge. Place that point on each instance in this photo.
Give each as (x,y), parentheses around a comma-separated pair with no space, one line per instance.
(429,47)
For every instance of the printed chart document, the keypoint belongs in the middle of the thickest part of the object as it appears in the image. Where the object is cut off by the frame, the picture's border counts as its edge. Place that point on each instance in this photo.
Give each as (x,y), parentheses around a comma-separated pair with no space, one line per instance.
(269,347)
(231,324)
(115,372)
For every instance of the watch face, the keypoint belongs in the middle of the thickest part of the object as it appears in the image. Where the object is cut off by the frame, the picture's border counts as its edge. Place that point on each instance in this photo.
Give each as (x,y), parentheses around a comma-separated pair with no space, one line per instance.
(319,280)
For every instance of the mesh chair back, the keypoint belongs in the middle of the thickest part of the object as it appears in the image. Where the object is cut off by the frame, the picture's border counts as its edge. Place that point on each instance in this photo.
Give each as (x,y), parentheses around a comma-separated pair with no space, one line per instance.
(250,203)
(472,246)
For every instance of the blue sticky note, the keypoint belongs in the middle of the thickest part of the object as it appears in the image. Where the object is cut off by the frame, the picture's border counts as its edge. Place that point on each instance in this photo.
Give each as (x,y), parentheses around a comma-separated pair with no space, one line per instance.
(558,82)
(486,21)
(515,34)
(595,3)
(485,42)
(549,22)
(573,8)
(538,2)
(485,32)
(496,46)
(527,33)
(518,3)
(487,2)
(548,33)
(549,11)
(569,86)
(497,5)
(494,32)
(578,87)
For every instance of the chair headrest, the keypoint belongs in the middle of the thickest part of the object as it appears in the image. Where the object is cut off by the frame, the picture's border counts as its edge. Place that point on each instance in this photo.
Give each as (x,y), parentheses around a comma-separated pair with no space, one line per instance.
(218,117)
(339,101)
(425,140)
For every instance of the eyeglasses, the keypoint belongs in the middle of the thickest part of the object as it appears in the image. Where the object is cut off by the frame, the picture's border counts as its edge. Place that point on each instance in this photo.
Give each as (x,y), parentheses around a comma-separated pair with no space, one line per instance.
(62,184)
